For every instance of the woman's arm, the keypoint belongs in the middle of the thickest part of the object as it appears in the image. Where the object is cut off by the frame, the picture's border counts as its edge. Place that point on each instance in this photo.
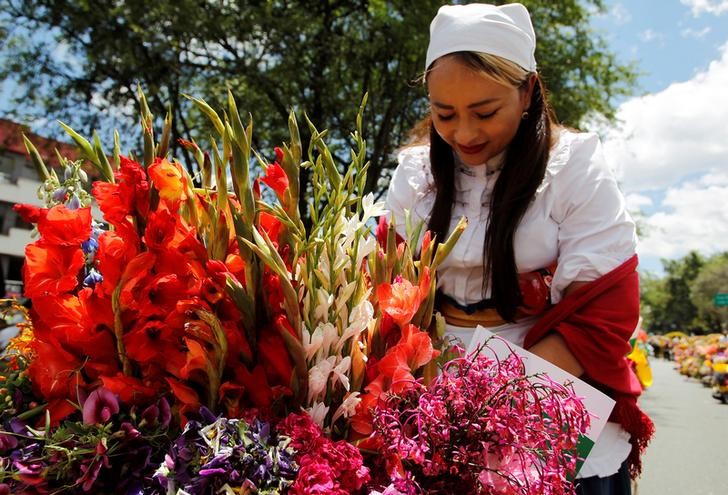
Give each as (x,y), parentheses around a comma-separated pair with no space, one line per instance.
(553,348)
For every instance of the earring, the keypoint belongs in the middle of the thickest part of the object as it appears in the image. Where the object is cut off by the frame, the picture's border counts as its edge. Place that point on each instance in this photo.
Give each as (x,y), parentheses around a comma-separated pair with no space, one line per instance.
(524,115)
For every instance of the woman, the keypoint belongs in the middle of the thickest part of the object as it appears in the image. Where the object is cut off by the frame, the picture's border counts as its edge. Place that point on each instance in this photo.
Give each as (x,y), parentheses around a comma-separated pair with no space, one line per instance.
(548,258)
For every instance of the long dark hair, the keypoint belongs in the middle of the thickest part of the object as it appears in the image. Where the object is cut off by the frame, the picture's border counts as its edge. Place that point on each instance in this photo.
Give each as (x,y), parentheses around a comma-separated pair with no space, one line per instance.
(523,170)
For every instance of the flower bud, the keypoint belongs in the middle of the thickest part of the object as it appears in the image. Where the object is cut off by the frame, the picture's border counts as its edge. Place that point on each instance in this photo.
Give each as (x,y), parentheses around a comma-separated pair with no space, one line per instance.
(59,194)
(74,203)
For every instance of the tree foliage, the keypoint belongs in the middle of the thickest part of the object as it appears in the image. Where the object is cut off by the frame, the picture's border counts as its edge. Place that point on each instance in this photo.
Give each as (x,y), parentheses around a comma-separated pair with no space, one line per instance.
(712,280)
(80,61)
(684,298)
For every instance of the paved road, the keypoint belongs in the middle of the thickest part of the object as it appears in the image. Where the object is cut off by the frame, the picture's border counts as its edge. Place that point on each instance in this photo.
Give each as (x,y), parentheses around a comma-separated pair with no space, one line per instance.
(689,453)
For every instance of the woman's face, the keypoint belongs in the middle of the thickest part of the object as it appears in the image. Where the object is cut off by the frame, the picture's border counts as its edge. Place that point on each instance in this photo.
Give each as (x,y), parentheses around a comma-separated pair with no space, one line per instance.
(475,115)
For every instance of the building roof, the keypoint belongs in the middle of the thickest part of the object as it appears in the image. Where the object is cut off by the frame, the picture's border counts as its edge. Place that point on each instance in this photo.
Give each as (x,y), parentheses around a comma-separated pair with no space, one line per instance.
(11,140)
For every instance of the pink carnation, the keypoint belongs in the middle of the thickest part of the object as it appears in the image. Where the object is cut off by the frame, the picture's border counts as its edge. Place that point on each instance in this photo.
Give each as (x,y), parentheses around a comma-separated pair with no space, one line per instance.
(304,433)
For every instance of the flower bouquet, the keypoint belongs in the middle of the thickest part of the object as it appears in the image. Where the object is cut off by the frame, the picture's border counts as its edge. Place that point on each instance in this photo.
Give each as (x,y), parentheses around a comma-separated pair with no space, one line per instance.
(199,337)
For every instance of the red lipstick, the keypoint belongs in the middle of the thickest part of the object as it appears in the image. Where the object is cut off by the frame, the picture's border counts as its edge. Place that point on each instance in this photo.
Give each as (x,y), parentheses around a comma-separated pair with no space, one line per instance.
(471,150)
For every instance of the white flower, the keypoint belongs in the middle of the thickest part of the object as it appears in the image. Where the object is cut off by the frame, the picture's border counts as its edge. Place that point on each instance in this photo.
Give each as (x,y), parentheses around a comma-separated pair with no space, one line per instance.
(324,301)
(341,372)
(312,342)
(366,247)
(344,294)
(318,413)
(318,377)
(360,318)
(347,408)
(372,209)
(331,337)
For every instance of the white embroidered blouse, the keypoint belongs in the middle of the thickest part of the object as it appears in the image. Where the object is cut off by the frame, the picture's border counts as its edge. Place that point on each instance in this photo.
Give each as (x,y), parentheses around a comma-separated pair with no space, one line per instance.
(577,218)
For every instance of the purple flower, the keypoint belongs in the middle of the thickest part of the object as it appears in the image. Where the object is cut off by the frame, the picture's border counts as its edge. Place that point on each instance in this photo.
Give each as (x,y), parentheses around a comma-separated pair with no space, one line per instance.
(90,245)
(59,194)
(157,414)
(74,203)
(100,406)
(93,278)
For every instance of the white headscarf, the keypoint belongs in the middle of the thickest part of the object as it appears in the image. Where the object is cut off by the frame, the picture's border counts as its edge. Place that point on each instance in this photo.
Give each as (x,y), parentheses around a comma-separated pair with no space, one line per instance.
(505,31)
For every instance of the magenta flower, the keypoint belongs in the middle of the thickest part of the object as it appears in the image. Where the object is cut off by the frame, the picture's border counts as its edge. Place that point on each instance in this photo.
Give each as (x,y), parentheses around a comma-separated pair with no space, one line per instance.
(7,442)
(483,426)
(100,406)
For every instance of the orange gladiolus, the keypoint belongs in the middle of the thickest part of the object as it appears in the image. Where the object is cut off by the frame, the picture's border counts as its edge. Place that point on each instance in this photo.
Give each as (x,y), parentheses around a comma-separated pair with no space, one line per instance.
(401,300)
(169,180)
(197,360)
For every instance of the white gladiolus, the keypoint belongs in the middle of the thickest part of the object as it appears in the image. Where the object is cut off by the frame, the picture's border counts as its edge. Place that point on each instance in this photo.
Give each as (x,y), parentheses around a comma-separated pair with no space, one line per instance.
(312,342)
(366,247)
(318,412)
(341,372)
(344,295)
(318,377)
(372,209)
(360,317)
(347,408)
(331,336)
(324,300)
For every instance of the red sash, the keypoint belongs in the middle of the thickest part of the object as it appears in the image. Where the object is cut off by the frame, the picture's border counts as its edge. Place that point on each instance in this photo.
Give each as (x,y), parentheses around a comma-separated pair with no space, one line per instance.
(597,321)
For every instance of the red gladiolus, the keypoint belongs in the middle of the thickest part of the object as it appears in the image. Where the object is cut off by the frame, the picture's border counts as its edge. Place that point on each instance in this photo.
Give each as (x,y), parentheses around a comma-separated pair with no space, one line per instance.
(257,389)
(54,372)
(51,270)
(130,390)
(382,233)
(29,213)
(116,250)
(161,229)
(197,360)
(276,179)
(277,363)
(271,226)
(64,227)
(81,326)
(274,293)
(129,195)
(152,341)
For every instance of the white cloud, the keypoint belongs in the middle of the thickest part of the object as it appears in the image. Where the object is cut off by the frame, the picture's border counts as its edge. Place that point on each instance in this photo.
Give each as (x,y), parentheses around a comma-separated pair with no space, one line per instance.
(698,34)
(648,35)
(620,14)
(695,217)
(715,7)
(637,201)
(679,132)
(670,151)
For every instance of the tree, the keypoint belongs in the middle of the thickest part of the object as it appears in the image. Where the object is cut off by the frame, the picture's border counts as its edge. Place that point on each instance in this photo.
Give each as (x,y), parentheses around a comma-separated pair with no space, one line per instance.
(666,302)
(712,279)
(318,56)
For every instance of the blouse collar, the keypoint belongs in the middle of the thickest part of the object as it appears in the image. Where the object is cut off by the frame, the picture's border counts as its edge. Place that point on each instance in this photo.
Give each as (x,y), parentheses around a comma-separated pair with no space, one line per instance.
(484,169)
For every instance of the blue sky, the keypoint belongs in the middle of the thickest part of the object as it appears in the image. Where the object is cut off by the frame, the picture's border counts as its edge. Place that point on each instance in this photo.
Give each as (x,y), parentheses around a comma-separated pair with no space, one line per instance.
(670,146)
(670,42)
